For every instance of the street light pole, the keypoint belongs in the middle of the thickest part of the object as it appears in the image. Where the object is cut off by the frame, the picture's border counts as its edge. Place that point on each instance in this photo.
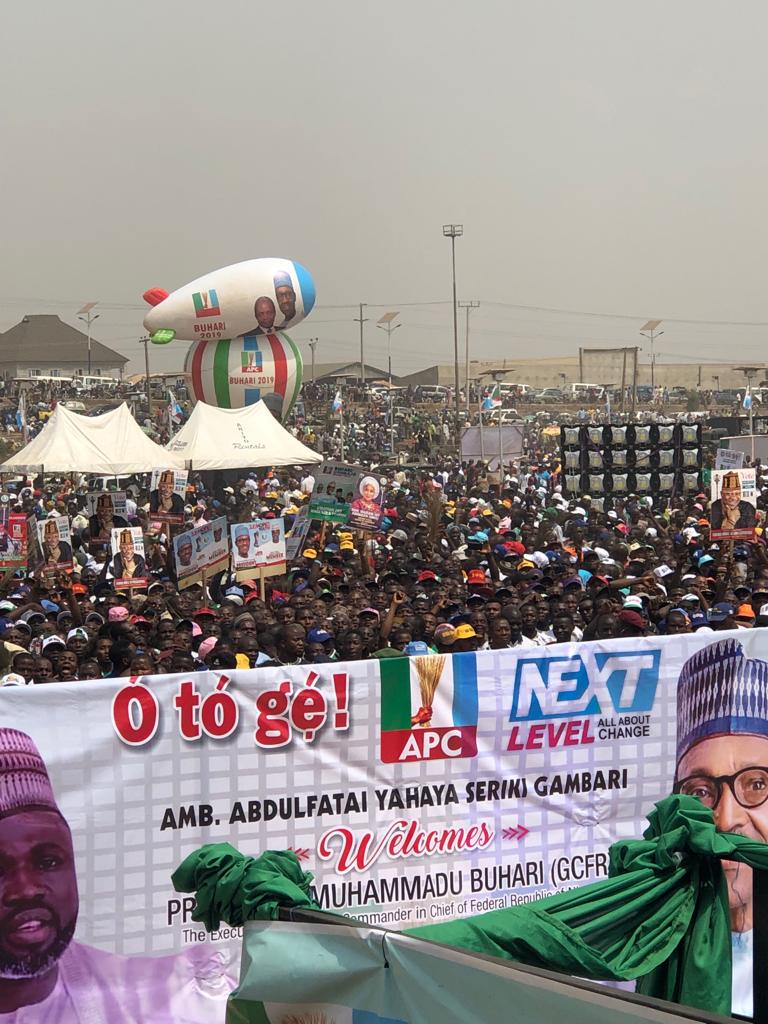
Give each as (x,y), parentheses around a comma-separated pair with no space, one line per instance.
(145,343)
(454,231)
(313,345)
(749,372)
(469,306)
(648,330)
(385,323)
(88,319)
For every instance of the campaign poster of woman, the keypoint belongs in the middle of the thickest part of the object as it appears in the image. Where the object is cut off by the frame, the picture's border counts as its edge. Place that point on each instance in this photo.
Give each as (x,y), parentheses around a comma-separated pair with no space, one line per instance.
(367,508)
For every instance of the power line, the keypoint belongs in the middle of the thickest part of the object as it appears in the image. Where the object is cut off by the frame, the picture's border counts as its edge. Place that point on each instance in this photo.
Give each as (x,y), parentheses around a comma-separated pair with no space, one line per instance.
(554,310)
(629,316)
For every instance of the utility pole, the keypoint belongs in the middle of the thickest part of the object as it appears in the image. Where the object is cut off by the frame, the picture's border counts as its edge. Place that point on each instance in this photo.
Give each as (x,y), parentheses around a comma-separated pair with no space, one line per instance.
(145,343)
(386,324)
(469,306)
(313,345)
(88,319)
(361,320)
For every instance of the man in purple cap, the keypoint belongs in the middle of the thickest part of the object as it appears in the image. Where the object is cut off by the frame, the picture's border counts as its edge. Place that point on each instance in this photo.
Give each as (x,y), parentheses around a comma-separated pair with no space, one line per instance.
(722,758)
(45,976)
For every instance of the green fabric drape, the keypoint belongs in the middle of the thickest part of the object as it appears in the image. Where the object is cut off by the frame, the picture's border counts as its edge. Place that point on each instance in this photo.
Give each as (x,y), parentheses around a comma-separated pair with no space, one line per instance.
(661,917)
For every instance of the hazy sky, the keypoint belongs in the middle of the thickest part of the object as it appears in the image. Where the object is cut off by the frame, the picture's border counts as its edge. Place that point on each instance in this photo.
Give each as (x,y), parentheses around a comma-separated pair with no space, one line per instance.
(603,156)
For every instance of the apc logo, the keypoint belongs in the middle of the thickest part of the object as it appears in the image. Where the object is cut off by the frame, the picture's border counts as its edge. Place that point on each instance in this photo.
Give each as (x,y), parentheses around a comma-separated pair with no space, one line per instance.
(624,681)
(428,708)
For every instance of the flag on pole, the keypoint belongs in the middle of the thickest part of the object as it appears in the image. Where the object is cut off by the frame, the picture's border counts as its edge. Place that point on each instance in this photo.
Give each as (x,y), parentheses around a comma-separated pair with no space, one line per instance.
(747,403)
(492,399)
(337,404)
(21,416)
(175,412)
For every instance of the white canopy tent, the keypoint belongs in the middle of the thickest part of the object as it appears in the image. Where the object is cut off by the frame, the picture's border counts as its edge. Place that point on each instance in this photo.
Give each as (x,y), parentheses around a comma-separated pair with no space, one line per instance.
(111,444)
(244,438)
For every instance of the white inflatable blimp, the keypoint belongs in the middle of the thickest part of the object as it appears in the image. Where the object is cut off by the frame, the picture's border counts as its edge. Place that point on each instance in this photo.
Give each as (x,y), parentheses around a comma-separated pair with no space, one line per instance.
(253,297)
(235,317)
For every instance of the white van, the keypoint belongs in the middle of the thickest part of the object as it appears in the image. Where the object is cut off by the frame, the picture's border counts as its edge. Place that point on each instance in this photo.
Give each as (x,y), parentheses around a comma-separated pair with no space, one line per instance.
(432,393)
(583,392)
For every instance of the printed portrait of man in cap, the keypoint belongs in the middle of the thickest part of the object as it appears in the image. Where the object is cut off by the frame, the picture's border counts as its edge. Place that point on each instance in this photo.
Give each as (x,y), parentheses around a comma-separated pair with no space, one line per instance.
(286,296)
(242,543)
(722,759)
(730,511)
(45,975)
(164,498)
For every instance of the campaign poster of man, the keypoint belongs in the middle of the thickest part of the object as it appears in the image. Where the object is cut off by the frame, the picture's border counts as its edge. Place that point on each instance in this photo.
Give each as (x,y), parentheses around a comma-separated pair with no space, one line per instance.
(722,759)
(106,511)
(184,555)
(128,566)
(212,545)
(167,492)
(46,974)
(203,549)
(367,507)
(258,544)
(55,539)
(13,539)
(734,504)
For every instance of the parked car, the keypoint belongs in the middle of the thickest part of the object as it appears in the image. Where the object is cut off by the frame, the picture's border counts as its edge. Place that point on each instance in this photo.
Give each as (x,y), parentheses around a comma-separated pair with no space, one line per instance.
(727,396)
(507,416)
(99,410)
(108,483)
(550,395)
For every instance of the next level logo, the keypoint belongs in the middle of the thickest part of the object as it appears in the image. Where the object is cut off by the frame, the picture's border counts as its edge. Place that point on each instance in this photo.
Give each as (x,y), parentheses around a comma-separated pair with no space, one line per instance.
(550,689)
(428,708)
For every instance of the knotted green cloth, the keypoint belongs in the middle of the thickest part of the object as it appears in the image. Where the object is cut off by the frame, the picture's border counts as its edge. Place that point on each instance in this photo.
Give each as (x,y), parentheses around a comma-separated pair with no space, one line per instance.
(661,917)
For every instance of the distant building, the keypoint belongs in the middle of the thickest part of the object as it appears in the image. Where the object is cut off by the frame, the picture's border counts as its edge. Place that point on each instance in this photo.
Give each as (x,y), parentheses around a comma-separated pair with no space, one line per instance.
(44,346)
(346,371)
(600,368)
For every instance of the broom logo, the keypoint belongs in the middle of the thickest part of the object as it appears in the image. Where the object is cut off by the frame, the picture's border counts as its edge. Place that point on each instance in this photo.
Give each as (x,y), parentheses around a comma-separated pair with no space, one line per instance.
(429,669)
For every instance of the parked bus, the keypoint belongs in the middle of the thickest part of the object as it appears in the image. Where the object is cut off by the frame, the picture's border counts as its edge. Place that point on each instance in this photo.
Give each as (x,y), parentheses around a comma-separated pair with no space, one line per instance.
(84,382)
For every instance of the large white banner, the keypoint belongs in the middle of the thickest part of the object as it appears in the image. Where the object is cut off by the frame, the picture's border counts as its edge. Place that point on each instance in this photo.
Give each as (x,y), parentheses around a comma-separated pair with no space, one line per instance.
(415,790)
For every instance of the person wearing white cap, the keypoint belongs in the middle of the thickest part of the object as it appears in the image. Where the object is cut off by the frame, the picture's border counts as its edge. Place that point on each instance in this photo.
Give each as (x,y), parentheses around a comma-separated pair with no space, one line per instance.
(14,679)
(45,976)
(722,758)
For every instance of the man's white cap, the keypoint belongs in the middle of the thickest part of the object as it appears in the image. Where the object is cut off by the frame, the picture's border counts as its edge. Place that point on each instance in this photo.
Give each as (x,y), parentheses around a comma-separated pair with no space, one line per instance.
(13,679)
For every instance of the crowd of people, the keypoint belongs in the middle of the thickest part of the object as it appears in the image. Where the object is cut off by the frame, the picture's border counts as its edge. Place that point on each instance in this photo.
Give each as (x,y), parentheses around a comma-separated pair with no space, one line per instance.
(461,561)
